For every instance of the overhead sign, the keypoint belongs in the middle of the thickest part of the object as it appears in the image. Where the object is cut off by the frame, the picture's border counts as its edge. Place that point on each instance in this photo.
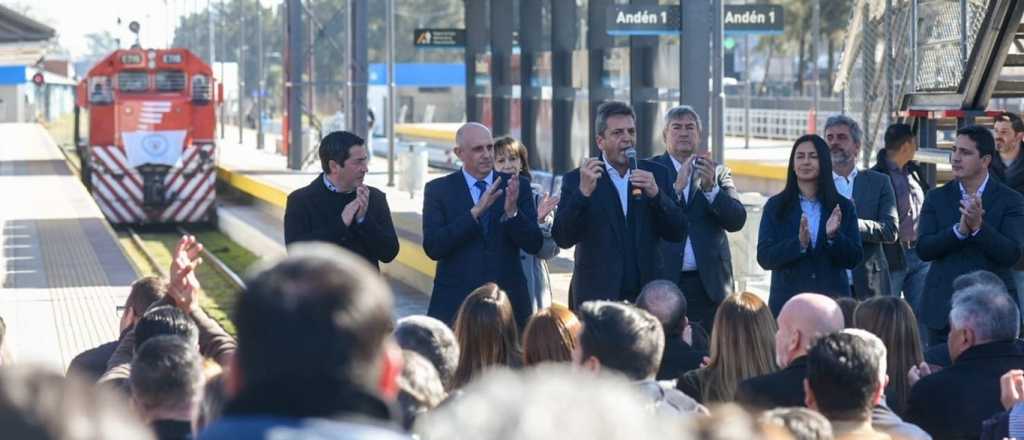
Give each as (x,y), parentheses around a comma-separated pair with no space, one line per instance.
(758,18)
(439,38)
(643,20)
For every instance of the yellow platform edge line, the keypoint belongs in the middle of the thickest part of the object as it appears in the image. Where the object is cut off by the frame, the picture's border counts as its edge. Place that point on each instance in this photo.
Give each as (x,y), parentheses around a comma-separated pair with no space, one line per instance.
(437,134)
(409,254)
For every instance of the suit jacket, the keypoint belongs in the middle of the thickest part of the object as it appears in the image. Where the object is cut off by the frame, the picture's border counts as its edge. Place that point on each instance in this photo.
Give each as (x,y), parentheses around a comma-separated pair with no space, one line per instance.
(953,403)
(893,251)
(313,213)
(820,269)
(779,389)
(598,229)
(467,254)
(995,248)
(706,224)
(875,201)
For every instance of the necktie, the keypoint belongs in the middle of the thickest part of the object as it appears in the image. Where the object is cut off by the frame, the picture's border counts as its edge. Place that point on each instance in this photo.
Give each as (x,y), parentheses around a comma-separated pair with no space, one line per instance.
(481,187)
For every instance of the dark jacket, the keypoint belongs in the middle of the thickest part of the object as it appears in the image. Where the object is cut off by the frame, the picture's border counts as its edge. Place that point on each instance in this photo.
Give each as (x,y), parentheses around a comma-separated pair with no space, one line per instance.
(172,429)
(92,363)
(893,251)
(995,248)
(1012,176)
(466,256)
(614,252)
(706,226)
(779,389)
(953,403)
(214,343)
(997,427)
(820,269)
(680,357)
(875,201)
(313,213)
(329,410)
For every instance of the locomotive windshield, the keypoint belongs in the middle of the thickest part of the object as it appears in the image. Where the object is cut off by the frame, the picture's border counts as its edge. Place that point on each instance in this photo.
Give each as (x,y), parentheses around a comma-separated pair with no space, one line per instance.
(133,81)
(170,81)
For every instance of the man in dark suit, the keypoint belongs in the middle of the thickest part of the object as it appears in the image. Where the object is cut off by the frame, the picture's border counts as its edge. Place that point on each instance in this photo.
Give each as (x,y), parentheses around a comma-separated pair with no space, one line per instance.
(701,264)
(92,363)
(686,343)
(970,223)
(802,320)
(336,207)
(1009,133)
(953,403)
(872,194)
(475,221)
(614,215)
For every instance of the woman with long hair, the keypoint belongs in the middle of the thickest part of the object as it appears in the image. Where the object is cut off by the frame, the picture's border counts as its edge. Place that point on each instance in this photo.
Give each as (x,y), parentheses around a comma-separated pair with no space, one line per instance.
(511,157)
(742,346)
(486,330)
(550,336)
(893,321)
(808,236)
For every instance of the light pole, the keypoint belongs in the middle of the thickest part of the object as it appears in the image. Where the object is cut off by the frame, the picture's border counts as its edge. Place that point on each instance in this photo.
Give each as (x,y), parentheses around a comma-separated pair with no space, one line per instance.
(391,92)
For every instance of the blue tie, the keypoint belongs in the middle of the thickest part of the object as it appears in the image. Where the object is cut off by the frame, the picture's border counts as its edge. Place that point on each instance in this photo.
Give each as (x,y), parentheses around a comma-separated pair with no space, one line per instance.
(481,186)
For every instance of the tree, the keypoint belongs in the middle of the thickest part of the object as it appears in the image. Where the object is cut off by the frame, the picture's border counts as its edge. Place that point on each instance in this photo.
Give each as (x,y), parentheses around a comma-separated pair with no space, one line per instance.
(100,44)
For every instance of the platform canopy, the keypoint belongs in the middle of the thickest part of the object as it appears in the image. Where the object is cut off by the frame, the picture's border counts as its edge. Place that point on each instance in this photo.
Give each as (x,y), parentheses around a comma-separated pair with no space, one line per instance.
(17,28)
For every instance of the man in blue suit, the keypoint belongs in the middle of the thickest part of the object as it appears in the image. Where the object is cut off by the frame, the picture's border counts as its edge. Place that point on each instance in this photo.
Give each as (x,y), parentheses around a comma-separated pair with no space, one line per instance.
(475,221)
(614,215)
(701,264)
(971,223)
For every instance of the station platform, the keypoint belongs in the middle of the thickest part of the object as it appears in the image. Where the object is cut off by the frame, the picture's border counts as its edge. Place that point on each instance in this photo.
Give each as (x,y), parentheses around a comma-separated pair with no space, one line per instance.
(64,272)
(258,222)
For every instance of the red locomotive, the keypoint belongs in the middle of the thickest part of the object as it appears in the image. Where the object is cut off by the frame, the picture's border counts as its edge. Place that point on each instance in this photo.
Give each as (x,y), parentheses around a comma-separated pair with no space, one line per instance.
(150,156)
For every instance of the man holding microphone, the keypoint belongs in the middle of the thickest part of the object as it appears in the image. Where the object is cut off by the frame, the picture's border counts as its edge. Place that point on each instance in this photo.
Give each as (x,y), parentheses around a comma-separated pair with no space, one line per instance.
(615,214)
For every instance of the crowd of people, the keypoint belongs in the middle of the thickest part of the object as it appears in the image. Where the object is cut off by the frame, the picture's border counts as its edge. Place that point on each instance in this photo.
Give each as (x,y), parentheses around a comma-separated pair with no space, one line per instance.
(892,312)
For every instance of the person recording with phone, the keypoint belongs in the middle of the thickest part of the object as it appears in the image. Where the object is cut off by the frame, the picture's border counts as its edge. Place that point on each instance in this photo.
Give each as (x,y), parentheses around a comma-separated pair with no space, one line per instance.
(701,263)
(614,210)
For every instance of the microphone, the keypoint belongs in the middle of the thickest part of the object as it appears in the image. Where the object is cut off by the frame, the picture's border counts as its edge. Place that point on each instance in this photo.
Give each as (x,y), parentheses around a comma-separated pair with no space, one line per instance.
(631,157)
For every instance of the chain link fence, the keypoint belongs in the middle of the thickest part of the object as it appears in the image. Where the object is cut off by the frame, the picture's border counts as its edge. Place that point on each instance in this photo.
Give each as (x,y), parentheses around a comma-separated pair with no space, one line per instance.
(896,47)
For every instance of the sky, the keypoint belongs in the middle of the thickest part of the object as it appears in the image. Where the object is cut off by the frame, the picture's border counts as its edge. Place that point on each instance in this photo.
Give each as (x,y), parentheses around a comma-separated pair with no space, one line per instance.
(73,19)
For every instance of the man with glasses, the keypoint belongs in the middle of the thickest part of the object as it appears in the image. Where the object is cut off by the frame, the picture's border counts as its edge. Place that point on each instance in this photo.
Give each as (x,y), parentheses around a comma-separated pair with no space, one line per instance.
(475,221)
(615,213)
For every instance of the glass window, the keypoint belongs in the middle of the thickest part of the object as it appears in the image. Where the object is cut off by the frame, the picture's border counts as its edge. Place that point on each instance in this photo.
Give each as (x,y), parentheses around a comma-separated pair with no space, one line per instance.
(133,81)
(170,81)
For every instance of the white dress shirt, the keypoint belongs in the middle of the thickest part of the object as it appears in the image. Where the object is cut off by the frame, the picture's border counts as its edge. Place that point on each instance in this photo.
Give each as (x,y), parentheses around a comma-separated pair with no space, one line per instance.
(963,195)
(621,183)
(844,185)
(689,260)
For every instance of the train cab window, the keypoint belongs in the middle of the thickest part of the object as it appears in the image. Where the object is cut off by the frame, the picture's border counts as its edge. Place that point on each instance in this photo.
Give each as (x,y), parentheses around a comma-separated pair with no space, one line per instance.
(133,81)
(170,81)
(202,90)
(99,90)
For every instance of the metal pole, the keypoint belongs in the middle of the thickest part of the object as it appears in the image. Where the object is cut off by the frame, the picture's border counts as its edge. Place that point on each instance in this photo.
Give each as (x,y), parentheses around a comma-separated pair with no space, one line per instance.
(261,77)
(347,100)
(889,60)
(390,121)
(717,96)
(358,68)
(963,31)
(209,25)
(294,87)
(746,91)
(694,44)
(913,42)
(241,70)
(223,108)
(816,39)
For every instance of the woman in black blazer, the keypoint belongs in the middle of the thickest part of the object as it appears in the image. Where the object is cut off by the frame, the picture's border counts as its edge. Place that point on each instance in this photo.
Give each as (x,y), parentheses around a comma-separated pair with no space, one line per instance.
(808,236)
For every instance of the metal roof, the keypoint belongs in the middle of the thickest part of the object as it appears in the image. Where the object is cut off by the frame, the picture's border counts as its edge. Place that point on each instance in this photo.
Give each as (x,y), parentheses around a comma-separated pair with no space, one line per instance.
(17,28)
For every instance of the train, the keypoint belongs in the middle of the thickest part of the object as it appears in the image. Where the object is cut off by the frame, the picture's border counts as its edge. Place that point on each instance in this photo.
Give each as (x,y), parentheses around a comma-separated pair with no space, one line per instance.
(150,156)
